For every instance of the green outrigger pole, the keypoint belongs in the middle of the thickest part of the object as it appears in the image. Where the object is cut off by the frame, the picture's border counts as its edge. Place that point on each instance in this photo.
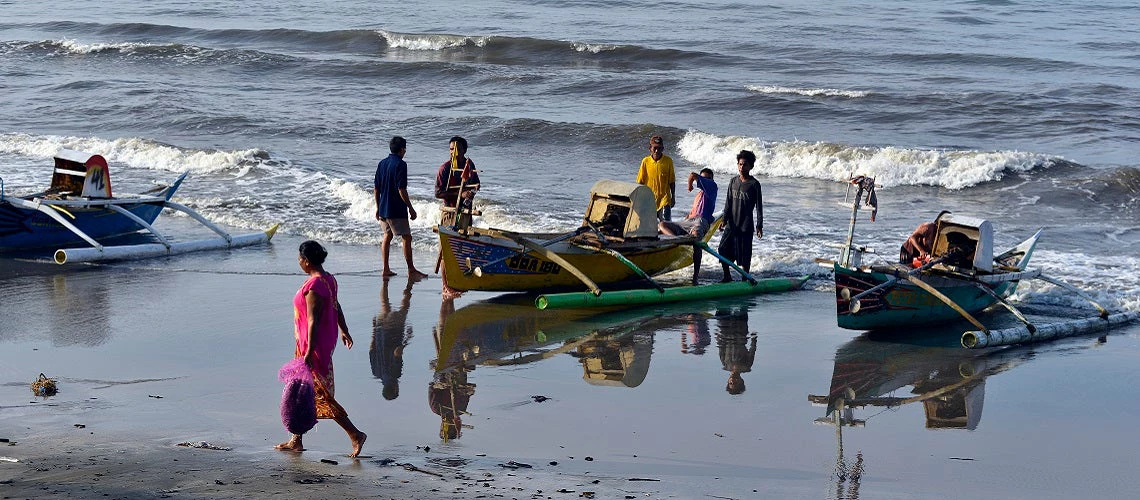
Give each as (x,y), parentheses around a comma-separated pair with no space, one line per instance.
(659,295)
(676,294)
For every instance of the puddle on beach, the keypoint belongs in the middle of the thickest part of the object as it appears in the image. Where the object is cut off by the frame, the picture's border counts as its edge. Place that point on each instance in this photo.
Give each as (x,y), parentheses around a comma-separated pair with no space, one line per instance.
(761,393)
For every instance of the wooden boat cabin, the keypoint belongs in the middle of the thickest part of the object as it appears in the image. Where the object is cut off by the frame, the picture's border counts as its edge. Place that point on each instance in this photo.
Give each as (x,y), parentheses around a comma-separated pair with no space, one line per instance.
(622,210)
(970,239)
(80,174)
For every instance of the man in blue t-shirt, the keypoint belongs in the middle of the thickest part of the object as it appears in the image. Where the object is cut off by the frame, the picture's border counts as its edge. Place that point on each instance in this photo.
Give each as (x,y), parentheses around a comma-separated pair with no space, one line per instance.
(393,206)
(699,218)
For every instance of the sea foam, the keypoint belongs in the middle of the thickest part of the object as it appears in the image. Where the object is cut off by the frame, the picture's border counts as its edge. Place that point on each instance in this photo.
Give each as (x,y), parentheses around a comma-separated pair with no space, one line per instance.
(769,89)
(415,41)
(890,166)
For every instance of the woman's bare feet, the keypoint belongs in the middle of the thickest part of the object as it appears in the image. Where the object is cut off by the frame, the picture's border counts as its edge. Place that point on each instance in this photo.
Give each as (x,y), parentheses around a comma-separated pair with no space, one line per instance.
(451,293)
(293,444)
(357,444)
(388,273)
(415,274)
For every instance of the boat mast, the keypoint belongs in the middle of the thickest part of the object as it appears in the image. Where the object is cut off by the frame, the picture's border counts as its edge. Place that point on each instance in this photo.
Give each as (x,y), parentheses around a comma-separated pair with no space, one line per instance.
(845,255)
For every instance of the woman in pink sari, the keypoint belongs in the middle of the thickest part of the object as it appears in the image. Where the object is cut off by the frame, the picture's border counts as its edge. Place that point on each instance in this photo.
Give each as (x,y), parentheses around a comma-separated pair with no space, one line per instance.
(317,320)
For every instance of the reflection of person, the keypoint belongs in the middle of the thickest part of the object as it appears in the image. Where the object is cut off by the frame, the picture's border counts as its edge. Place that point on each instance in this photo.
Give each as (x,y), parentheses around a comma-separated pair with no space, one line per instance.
(744,196)
(393,206)
(317,317)
(921,242)
(656,172)
(448,396)
(455,185)
(736,354)
(696,338)
(390,334)
(700,216)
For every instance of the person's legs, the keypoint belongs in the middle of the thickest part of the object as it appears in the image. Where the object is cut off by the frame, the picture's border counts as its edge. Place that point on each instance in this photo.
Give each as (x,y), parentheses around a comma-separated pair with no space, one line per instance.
(727,250)
(744,254)
(324,388)
(406,240)
(386,246)
(355,435)
(699,229)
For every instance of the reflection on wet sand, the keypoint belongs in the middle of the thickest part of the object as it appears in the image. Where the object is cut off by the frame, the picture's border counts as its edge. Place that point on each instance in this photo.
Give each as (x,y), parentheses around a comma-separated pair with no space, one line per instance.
(79,307)
(390,335)
(614,347)
(736,355)
(947,379)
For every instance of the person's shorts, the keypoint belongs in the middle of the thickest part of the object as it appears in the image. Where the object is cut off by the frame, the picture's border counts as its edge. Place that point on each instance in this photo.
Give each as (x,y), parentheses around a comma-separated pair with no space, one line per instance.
(398,227)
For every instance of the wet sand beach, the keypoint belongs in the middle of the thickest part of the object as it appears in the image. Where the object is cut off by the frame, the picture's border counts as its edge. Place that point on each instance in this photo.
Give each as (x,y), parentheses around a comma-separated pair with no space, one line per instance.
(619,403)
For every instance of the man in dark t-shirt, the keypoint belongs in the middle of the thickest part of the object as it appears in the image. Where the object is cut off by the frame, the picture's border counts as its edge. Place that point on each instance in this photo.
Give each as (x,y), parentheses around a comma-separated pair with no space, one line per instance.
(743,197)
(393,206)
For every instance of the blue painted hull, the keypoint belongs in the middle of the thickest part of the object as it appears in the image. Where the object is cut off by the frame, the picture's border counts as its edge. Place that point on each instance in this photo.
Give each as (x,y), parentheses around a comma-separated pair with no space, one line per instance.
(22,229)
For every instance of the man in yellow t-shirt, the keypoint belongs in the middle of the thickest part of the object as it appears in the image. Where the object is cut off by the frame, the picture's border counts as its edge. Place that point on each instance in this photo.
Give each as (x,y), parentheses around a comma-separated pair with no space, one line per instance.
(656,172)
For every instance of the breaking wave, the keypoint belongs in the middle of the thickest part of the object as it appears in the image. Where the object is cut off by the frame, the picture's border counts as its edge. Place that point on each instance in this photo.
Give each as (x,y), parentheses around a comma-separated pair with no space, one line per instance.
(768,89)
(889,165)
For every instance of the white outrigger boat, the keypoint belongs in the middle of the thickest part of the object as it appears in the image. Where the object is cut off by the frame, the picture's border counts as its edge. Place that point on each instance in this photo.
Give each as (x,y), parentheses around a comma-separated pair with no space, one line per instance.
(79,208)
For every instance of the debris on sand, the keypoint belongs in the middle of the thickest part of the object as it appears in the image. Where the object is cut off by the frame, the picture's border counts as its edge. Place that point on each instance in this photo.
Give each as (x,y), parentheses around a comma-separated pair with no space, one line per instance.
(203,446)
(44,386)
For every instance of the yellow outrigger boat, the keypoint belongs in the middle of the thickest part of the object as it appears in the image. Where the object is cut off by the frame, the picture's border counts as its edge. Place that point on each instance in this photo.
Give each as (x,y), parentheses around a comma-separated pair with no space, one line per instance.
(617,243)
(616,247)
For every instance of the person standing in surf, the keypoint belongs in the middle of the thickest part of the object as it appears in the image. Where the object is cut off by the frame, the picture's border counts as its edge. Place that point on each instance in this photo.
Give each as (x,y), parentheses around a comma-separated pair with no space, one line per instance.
(744,197)
(393,206)
(455,185)
(317,318)
(656,172)
(700,216)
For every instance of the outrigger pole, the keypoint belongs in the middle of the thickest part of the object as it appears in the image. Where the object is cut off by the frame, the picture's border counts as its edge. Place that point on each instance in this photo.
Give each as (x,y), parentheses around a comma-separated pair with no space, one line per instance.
(100,252)
(1024,335)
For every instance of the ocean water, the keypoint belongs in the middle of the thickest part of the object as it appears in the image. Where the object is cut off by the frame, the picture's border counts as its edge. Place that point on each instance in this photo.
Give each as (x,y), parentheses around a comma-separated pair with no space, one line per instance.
(1023,113)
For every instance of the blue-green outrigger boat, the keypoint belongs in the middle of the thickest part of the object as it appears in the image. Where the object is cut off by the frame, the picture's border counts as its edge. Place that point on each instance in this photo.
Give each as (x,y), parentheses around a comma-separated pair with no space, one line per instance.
(961,279)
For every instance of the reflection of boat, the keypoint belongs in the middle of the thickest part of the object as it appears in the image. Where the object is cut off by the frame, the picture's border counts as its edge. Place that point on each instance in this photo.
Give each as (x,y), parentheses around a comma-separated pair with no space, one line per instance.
(949,381)
(79,208)
(617,243)
(509,331)
(962,278)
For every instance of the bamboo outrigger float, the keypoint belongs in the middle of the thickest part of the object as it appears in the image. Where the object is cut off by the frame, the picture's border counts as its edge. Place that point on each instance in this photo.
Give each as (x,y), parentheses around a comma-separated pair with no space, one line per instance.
(962,278)
(79,208)
(616,247)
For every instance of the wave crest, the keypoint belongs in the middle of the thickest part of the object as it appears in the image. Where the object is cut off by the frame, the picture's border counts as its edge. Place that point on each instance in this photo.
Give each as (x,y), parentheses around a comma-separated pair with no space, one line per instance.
(769,89)
(890,166)
(416,41)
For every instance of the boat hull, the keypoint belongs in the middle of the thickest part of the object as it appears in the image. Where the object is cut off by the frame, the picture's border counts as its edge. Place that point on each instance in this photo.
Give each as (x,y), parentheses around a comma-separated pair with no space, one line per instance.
(507,267)
(23,229)
(905,304)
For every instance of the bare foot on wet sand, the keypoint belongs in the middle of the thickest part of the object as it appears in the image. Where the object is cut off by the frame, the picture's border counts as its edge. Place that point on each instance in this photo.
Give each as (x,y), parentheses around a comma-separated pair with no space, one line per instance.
(451,293)
(292,444)
(416,274)
(357,444)
(388,273)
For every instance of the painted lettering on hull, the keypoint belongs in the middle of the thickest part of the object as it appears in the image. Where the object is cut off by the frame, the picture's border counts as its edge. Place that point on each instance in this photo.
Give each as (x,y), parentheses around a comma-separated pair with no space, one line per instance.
(533,265)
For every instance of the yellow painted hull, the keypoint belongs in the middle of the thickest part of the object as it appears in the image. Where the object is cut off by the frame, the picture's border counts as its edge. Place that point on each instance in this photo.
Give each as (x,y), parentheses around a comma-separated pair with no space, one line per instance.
(507,267)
